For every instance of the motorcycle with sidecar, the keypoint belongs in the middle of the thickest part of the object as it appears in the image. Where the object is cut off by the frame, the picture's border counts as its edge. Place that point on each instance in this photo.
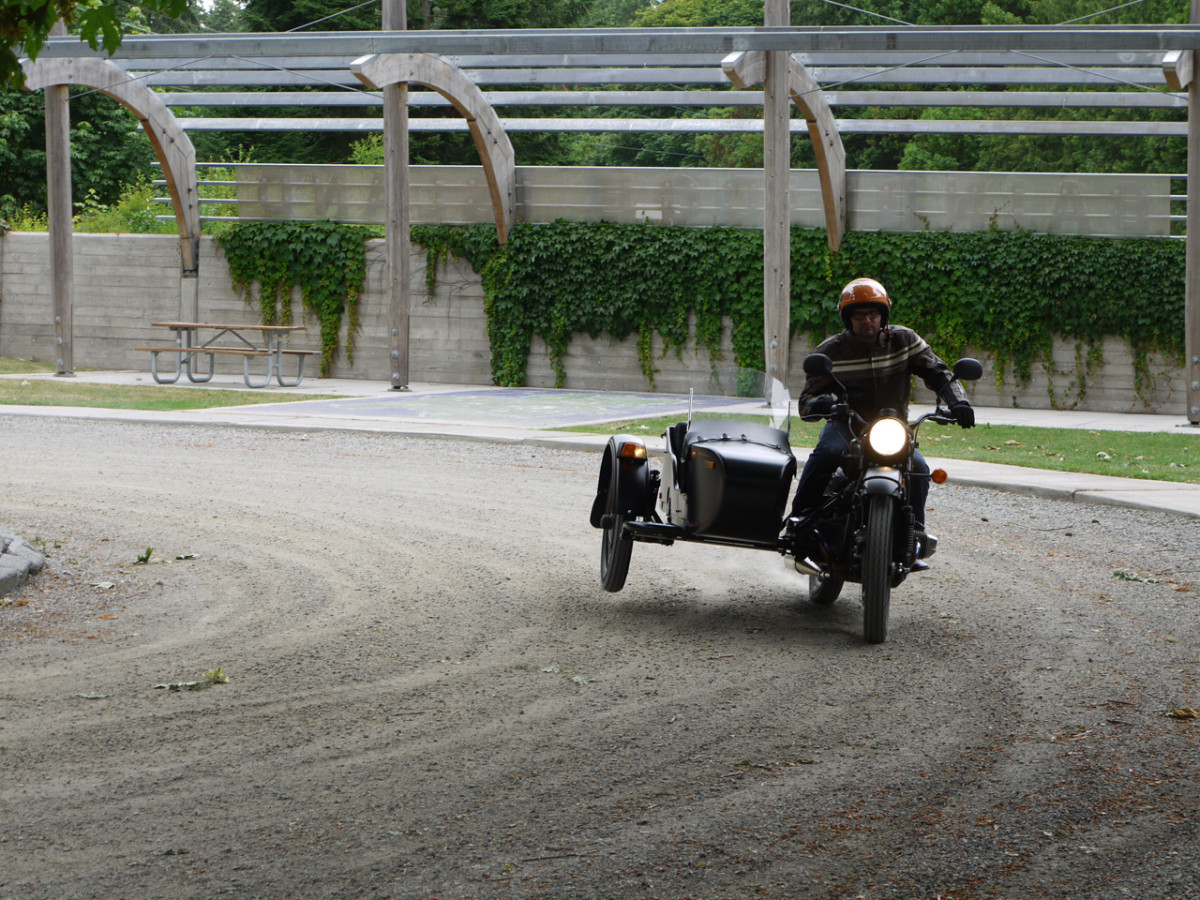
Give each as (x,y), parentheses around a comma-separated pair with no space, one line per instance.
(726,476)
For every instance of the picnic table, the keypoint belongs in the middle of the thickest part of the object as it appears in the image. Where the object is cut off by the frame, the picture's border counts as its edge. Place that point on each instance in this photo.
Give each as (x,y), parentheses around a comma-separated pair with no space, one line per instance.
(199,339)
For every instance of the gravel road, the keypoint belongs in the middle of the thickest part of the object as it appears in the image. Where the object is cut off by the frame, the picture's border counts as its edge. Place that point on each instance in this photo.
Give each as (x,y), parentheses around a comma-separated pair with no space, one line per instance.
(429,696)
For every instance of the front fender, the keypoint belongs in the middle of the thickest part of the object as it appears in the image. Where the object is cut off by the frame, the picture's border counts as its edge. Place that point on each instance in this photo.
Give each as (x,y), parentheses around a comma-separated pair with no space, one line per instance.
(624,482)
(884,480)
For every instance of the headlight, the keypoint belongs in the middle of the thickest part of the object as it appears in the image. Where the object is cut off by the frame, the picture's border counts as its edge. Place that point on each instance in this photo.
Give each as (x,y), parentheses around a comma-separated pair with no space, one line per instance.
(888,437)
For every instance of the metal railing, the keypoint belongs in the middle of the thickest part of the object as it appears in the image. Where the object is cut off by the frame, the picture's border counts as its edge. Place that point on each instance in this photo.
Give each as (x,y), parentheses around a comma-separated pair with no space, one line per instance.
(1084,204)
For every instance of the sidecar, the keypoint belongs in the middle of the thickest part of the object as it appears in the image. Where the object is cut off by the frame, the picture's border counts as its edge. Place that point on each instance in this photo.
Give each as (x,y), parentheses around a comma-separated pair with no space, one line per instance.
(725,476)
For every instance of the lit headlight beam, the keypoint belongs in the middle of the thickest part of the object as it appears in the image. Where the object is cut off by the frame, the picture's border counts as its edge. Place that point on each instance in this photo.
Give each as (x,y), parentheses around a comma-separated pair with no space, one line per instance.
(888,437)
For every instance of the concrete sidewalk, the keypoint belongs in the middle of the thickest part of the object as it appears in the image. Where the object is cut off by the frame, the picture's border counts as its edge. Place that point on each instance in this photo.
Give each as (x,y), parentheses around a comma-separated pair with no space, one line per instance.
(529,415)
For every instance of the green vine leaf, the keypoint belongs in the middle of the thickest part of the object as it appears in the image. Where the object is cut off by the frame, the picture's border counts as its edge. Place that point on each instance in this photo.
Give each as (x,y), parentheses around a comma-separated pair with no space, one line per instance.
(326,260)
(1009,294)
(1006,293)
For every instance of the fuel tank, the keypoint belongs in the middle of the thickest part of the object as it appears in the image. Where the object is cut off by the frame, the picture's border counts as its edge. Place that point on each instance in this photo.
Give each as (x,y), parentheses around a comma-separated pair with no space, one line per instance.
(739,476)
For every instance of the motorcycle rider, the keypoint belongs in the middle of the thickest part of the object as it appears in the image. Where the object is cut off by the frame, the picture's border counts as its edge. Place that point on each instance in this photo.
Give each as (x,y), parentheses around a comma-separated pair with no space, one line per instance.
(875,361)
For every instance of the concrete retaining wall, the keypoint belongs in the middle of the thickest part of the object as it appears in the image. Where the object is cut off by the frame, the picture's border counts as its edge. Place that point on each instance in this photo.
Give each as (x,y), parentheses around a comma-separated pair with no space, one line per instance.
(125,282)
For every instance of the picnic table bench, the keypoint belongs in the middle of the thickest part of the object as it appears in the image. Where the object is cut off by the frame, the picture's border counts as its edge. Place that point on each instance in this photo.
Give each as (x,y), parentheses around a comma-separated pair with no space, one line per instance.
(190,344)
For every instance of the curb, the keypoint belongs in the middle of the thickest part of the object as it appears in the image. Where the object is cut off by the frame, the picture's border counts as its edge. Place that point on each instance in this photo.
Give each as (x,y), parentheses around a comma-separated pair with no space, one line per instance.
(18,560)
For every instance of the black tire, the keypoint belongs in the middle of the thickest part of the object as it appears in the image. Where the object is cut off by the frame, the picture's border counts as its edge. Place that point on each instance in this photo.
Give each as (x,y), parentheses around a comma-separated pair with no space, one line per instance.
(615,549)
(823,590)
(877,568)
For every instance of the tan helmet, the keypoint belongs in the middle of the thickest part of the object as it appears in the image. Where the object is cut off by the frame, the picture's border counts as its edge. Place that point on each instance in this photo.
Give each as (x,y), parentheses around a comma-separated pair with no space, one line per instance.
(864,292)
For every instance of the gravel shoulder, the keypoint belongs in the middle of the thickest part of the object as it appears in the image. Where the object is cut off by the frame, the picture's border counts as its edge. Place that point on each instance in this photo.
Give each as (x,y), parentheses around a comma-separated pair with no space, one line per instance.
(429,695)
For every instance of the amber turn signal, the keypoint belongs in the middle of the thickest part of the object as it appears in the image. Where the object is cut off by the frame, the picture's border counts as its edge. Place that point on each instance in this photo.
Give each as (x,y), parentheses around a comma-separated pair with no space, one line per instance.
(631,450)
(939,476)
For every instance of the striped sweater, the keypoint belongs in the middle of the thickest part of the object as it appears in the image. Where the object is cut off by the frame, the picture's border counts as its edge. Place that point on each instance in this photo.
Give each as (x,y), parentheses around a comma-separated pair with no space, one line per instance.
(877,376)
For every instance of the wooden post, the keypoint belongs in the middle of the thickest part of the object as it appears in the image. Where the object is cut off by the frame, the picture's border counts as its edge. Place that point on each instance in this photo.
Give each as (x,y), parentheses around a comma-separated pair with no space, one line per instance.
(396,180)
(1191,302)
(777,207)
(59,212)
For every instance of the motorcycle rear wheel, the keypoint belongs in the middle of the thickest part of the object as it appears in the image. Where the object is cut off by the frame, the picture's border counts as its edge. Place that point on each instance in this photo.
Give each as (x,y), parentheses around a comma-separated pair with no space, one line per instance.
(824,589)
(877,568)
(616,547)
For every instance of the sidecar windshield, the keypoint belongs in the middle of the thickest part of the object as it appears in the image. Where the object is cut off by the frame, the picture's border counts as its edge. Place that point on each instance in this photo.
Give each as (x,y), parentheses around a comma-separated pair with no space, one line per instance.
(744,394)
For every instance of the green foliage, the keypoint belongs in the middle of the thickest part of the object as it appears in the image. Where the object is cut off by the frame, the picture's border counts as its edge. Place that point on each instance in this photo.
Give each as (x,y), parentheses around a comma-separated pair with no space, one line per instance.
(474,243)
(1011,293)
(108,150)
(702,13)
(326,259)
(599,278)
(28,218)
(1004,293)
(218,184)
(508,13)
(614,13)
(368,151)
(133,213)
(290,15)
(223,16)
(27,24)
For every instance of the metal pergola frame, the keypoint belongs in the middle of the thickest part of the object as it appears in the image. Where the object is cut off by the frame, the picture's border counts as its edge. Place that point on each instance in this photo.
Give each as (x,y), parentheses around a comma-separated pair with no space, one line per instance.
(923,52)
(654,41)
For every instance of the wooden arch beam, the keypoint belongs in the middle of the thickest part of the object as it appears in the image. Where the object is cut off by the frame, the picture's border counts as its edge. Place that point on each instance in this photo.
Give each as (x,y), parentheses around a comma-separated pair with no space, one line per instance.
(748,68)
(173,147)
(495,149)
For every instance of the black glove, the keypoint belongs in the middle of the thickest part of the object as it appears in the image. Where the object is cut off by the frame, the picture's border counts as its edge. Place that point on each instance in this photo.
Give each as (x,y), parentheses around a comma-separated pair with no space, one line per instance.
(821,405)
(963,414)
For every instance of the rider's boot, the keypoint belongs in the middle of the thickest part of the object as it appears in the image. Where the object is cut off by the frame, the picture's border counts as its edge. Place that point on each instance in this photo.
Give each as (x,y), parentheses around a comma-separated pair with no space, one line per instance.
(804,543)
(926,547)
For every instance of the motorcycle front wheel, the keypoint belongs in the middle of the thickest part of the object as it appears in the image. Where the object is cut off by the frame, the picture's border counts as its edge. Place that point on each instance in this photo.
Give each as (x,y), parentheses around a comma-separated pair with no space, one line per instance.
(616,547)
(877,568)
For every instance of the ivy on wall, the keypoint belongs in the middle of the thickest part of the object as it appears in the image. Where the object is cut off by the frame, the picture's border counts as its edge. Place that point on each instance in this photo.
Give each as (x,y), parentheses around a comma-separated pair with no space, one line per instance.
(326,259)
(1007,293)
(1004,293)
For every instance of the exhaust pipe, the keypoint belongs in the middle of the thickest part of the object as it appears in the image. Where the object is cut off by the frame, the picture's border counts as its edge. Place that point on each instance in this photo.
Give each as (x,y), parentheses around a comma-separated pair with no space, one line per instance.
(804,567)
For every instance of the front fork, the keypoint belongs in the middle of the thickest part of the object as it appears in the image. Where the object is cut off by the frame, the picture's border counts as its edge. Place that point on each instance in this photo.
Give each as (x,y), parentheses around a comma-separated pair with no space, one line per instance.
(892,481)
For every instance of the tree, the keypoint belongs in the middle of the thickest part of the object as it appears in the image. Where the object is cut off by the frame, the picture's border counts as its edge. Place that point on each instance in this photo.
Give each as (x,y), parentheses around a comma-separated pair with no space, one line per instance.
(334,15)
(322,15)
(108,150)
(223,17)
(614,13)
(702,14)
(136,18)
(1055,12)
(25,25)
(509,13)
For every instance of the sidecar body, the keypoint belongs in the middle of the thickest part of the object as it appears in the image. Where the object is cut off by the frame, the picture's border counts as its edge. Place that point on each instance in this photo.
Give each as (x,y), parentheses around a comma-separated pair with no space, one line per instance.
(721,480)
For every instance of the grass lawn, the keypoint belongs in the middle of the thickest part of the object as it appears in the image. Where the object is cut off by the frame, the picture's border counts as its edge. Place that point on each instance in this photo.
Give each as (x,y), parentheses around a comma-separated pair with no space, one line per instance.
(1161,456)
(156,398)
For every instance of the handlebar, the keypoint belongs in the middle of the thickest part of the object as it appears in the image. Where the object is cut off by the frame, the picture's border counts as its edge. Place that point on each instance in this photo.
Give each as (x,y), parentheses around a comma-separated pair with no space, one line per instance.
(939,416)
(842,411)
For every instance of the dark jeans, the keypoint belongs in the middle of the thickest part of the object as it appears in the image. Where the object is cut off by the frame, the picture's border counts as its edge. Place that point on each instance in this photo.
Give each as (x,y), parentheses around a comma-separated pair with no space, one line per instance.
(827,456)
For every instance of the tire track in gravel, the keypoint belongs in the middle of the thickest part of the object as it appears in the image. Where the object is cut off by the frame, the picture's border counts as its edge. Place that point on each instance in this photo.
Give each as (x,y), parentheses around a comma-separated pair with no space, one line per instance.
(431,696)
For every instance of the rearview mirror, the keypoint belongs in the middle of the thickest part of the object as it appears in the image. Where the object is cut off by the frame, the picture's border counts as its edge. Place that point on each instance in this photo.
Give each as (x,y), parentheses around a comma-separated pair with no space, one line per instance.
(967,369)
(820,364)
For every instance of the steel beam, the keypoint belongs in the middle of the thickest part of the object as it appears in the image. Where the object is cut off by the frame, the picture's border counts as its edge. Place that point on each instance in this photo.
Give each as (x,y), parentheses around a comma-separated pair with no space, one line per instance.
(703,126)
(1077,58)
(1024,99)
(864,39)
